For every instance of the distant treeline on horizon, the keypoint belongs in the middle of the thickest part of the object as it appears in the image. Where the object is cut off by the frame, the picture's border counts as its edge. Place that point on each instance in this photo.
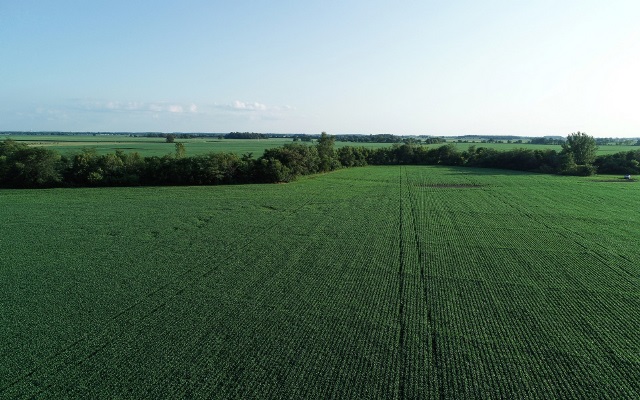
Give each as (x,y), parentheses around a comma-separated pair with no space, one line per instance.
(23,166)
(351,137)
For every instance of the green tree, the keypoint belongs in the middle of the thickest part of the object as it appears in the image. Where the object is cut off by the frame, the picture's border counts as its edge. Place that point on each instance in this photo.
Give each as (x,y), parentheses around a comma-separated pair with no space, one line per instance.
(271,170)
(299,159)
(35,167)
(326,152)
(8,150)
(582,147)
(170,138)
(180,150)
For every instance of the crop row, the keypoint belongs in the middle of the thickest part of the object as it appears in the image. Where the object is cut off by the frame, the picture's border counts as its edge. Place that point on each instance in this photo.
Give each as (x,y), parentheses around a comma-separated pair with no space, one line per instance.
(499,294)
(379,282)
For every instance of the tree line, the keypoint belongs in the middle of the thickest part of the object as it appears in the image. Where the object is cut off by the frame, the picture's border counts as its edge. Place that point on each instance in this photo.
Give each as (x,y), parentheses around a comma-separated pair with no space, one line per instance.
(22,166)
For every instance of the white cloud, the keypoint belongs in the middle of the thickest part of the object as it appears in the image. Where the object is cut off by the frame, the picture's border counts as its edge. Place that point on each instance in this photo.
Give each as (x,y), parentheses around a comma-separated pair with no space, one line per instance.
(114,105)
(162,107)
(158,107)
(249,111)
(255,106)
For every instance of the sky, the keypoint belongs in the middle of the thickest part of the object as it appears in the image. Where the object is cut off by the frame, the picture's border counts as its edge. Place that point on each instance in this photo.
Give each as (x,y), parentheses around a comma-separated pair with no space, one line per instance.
(526,68)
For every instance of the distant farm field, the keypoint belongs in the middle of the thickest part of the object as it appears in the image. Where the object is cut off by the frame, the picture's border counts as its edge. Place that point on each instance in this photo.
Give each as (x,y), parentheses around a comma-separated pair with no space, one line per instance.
(602,150)
(373,282)
(149,146)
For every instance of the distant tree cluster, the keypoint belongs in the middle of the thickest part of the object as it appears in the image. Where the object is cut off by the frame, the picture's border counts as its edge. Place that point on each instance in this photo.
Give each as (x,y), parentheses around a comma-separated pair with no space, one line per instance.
(22,166)
(546,140)
(434,140)
(387,138)
(245,135)
(619,163)
(178,135)
(303,138)
(617,142)
(494,138)
(382,138)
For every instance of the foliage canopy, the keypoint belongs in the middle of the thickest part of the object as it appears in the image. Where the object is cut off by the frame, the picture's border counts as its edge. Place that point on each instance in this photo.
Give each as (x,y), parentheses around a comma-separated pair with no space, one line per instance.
(582,147)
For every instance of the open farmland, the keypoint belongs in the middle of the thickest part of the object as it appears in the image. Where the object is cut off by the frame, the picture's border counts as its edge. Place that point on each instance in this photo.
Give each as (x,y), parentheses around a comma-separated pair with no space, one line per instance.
(148,146)
(373,282)
(602,150)
(153,146)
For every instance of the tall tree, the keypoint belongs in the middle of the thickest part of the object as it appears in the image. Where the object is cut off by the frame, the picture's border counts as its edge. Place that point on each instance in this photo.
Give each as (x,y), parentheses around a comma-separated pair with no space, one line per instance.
(582,147)
(180,150)
(34,167)
(326,152)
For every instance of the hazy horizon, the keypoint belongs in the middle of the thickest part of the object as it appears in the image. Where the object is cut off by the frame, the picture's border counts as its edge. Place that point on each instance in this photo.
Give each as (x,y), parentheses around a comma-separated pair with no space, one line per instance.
(536,68)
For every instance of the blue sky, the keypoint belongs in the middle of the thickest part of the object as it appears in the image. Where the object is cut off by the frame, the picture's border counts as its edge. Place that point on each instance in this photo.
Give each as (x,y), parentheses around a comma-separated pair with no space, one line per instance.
(402,67)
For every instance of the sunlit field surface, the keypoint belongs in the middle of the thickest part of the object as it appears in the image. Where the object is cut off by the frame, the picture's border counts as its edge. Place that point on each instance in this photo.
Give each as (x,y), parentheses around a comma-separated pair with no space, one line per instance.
(373,282)
(148,146)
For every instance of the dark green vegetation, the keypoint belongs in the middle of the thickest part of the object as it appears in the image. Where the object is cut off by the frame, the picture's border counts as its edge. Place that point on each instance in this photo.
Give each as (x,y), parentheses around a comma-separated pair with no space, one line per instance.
(22,166)
(147,146)
(157,146)
(580,150)
(374,282)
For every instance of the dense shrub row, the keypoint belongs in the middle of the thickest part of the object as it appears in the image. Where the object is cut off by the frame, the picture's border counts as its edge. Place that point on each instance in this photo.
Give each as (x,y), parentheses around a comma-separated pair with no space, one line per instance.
(26,167)
(625,162)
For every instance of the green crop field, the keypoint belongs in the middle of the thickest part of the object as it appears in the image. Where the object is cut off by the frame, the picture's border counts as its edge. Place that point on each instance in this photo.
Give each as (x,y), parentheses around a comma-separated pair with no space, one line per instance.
(373,282)
(150,146)
(602,150)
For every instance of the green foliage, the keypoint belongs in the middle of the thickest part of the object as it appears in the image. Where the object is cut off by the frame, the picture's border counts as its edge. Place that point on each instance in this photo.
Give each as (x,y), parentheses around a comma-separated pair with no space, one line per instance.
(582,147)
(547,141)
(90,169)
(352,156)
(245,135)
(181,151)
(24,166)
(299,159)
(376,282)
(214,169)
(272,170)
(620,163)
(326,153)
